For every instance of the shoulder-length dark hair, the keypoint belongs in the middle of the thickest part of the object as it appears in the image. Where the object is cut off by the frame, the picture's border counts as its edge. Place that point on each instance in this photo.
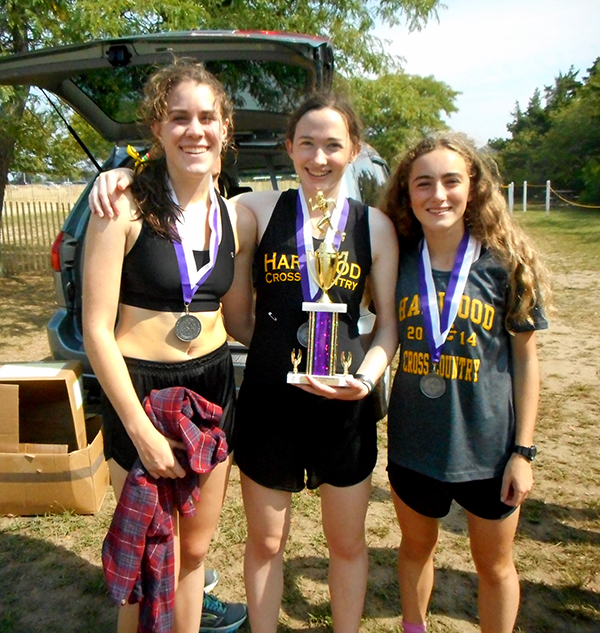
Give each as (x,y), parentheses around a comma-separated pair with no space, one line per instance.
(320,101)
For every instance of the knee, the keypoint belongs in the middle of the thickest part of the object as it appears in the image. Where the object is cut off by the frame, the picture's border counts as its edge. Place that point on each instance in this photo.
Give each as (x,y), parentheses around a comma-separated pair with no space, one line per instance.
(347,547)
(193,554)
(417,548)
(265,547)
(495,572)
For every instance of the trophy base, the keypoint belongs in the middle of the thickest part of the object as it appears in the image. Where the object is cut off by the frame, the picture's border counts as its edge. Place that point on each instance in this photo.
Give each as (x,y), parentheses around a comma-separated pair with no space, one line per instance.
(337,380)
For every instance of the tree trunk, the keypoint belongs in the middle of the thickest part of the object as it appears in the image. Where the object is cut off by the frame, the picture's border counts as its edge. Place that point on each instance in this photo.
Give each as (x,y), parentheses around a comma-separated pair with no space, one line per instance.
(14,108)
(12,113)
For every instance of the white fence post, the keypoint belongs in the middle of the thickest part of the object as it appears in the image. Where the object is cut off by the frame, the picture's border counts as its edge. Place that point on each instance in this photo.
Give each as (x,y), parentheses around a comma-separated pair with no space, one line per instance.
(524,196)
(547,197)
(511,197)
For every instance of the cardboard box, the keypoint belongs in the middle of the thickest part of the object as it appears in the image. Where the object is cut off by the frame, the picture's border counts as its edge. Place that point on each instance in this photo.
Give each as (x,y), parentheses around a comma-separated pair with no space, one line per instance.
(59,463)
(50,402)
(9,425)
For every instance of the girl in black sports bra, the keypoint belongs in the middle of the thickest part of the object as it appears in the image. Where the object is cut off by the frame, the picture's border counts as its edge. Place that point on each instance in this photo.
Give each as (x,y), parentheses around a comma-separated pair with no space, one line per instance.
(166,265)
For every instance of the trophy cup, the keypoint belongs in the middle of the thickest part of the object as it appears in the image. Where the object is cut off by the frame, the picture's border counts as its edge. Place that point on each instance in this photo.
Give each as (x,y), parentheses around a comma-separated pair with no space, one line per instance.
(322,347)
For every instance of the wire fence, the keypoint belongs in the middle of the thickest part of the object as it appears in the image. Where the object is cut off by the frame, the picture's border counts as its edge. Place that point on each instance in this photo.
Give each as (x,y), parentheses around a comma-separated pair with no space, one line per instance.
(550,197)
(28,230)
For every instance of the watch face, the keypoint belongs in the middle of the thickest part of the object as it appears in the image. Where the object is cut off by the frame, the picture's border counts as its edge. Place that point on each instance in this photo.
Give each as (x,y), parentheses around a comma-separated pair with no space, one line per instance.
(532,452)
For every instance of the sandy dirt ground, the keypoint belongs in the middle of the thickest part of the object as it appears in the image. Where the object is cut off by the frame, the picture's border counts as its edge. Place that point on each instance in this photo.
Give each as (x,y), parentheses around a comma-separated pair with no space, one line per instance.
(558,547)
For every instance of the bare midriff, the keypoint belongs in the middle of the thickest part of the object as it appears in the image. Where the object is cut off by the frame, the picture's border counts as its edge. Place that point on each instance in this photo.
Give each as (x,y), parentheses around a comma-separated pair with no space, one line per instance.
(150,335)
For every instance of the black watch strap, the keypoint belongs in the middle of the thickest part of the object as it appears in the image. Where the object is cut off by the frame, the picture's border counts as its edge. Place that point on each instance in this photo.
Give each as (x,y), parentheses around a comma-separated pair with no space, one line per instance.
(529,452)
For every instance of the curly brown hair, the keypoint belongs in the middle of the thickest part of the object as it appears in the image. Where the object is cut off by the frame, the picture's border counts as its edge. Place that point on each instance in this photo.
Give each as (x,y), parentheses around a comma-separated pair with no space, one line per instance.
(149,184)
(486,217)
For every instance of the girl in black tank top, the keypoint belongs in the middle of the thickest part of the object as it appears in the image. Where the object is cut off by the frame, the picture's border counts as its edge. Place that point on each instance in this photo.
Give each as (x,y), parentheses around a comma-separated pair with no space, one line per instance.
(287,436)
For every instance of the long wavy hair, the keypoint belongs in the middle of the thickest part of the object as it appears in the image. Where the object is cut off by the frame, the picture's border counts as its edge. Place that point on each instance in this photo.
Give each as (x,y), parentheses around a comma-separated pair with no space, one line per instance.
(149,188)
(486,217)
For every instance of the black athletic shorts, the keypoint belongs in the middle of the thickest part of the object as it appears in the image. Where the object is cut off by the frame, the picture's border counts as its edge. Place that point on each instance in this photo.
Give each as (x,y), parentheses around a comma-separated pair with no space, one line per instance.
(432,498)
(287,439)
(210,376)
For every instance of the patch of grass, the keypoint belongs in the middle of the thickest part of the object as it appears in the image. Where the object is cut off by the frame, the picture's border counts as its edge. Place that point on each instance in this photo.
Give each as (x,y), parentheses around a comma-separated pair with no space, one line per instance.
(570,236)
(379,530)
(321,617)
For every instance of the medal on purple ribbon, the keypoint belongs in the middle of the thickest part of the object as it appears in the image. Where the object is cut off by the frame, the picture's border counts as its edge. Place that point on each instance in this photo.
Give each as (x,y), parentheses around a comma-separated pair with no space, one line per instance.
(188,327)
(437,326)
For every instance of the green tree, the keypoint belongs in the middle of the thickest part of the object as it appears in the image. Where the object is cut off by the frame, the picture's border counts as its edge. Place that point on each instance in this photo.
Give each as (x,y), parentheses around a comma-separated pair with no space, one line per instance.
(30,24)
(571,149)
(396,108)
(43,147)
(562,92)
(558,137)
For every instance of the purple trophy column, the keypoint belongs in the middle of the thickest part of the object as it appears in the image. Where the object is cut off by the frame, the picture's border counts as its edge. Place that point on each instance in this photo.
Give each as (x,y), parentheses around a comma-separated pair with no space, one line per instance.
(322,346)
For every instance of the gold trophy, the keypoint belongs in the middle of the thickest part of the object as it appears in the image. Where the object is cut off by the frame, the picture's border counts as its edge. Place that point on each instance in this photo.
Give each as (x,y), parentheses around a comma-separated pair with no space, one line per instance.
(322,344)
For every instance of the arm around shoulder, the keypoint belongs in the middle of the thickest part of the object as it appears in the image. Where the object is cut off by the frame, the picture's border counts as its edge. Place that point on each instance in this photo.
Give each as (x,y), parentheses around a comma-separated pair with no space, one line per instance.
(105,198)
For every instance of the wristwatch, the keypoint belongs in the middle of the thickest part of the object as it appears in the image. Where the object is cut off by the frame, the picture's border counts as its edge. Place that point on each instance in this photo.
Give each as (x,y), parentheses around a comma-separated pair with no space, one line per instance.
(529,452)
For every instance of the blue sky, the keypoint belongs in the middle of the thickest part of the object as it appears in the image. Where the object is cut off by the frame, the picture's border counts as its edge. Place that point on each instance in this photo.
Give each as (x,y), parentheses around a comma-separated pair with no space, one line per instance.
(497,52)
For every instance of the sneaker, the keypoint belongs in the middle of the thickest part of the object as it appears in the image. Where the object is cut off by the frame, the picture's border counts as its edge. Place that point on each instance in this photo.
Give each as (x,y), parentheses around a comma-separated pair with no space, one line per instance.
(211,578)
(221,617)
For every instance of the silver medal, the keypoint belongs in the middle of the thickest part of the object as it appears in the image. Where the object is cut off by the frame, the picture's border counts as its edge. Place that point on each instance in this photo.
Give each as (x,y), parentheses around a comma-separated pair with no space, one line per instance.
(302,334)
(433,385)
(187,328)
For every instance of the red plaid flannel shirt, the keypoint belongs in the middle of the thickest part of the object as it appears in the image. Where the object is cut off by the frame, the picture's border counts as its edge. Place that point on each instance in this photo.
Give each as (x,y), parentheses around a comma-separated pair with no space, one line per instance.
(138,551)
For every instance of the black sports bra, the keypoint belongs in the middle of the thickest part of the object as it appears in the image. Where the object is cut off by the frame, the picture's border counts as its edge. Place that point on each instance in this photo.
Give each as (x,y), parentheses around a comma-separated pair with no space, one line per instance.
(150,277)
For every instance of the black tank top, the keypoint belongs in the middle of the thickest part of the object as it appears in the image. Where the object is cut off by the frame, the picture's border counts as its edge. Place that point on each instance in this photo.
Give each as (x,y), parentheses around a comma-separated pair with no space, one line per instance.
(279,298)
(151,280)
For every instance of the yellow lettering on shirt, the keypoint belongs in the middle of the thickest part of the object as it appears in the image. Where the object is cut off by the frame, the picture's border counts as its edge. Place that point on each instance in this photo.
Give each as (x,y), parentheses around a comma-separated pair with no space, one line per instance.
(450,367)
(414,307)
(270,261)
(283,262)
(473,310)
(343,268)
(402,309)
(488,317)
(354,271)
(476,365)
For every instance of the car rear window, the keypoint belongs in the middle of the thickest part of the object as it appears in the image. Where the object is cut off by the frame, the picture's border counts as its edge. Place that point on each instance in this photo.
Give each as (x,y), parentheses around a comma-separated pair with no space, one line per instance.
(251,85)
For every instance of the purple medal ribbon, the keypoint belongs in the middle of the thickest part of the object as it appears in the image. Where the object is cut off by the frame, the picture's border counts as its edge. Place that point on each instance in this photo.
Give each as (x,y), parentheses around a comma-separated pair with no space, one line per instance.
(187,269)
(427,294)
